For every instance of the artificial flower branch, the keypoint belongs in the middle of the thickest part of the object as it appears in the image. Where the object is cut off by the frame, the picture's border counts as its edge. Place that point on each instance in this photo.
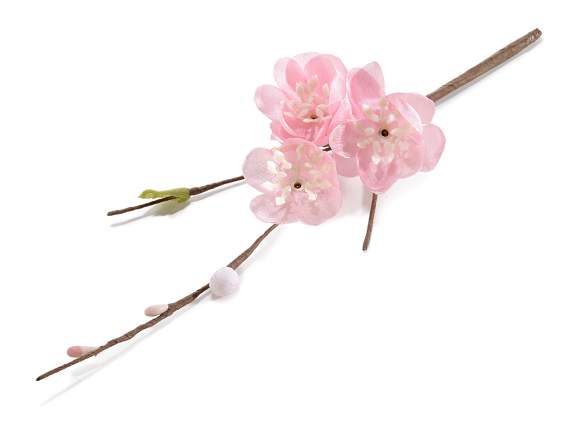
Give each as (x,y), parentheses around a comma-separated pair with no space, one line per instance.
(460,81)
(329,122)
(171,308)
(174,194)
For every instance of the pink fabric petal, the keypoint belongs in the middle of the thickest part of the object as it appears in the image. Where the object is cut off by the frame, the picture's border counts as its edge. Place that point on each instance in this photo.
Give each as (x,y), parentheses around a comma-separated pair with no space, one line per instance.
(265,209)
(299,129)
(314,212)
(343,114)
(255,169)
(321,135)
(365,86)
(345,137)
(279,132)
(309,152)
(406,111)
(376,177)
(424,106)
(316,133)
(410,161)
(269,100)
(331,71)
(286,73)
(346,167)
(434,142)
(302,59)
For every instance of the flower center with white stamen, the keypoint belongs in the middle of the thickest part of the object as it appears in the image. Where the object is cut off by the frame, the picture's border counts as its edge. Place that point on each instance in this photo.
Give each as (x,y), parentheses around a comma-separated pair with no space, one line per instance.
(311,104)
(387,139)
(305,174)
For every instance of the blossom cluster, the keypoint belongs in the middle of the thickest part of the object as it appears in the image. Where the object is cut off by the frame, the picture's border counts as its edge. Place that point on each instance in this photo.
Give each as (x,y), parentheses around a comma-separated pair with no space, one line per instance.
(331,122)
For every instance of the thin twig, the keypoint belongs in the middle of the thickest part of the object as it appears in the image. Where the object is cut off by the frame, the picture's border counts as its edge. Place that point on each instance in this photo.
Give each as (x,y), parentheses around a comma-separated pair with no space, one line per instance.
(172,308)
(140,206)
(192,191)
(367,237)
(496,59)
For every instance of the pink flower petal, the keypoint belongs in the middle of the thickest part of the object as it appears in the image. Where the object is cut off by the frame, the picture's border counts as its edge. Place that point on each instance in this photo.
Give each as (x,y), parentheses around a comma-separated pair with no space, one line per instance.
(376,177)
(434,142)
(314,212)
(265,208)
(299,129)
(406,111)
(256,171)
(331,71)
(345,137)
(287,73)
(346,167)
(424,106)
(343,114)
(302,59)
(316,133)
(269,100)
(366,86)
(410,161)
(279,132)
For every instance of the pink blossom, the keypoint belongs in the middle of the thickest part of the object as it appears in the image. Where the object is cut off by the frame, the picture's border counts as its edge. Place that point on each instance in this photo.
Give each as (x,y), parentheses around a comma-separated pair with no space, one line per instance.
(310,90)
(298,182)
(391,136)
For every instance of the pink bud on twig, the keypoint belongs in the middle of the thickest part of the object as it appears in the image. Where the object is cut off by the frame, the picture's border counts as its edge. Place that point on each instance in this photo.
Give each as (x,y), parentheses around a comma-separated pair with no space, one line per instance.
(156,309)
(78,351)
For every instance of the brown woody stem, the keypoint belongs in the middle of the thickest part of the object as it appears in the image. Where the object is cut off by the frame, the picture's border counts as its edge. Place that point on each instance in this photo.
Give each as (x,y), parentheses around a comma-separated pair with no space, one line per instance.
(192,191)
(172,308)
(496,59)
(367,237)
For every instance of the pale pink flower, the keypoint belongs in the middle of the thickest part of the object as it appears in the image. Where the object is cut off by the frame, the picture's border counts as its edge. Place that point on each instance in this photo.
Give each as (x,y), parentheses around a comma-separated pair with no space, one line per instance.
(391,136)
(298,182)
(310,90)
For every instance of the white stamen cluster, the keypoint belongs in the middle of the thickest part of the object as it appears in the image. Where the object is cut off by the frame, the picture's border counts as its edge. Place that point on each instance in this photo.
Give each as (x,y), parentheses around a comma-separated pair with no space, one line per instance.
(302,176)
(384,148)
(312,102)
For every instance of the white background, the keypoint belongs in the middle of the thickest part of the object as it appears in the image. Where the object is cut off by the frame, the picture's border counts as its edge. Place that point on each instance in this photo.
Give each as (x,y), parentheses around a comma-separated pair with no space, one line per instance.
(459,316)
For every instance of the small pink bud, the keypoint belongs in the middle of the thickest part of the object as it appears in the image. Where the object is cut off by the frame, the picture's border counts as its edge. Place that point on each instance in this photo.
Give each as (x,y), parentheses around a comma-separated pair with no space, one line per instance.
(156,309)
(78,351)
